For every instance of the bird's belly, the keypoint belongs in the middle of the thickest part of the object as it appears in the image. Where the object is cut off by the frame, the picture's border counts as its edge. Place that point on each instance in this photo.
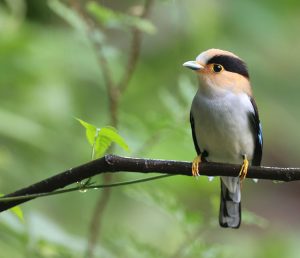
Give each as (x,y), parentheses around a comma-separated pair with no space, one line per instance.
(227,146)
(223,130)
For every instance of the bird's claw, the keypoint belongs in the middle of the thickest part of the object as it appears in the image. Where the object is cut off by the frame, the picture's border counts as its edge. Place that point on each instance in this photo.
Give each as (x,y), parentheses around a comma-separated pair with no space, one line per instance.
(244,169)
(195,166)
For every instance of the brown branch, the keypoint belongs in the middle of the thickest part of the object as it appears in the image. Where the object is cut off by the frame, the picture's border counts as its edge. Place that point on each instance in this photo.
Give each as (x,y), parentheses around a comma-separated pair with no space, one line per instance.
(114,92)
(97,217)
(135,49)
(113,95)
(113,164)
(96,222)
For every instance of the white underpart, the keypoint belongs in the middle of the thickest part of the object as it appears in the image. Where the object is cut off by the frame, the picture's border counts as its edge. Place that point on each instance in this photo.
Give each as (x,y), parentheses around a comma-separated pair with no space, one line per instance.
(222,128)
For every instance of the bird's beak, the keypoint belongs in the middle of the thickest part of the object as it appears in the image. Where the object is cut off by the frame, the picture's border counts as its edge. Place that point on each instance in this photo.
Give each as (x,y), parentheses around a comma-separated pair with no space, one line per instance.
(194,65)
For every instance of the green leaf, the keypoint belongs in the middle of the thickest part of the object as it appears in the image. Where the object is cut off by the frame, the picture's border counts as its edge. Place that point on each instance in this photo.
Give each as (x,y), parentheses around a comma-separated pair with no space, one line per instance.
(101,138)
(106,136)
(113,135)
(102,144)
(91,131)
(16,211)
(110,18)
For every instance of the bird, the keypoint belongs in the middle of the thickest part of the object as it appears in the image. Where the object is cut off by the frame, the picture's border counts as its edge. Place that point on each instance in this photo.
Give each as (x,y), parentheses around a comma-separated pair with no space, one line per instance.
(225,124)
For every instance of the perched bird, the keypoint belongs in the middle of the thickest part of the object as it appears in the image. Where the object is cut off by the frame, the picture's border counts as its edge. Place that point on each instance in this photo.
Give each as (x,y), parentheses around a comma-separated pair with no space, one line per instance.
(225,124)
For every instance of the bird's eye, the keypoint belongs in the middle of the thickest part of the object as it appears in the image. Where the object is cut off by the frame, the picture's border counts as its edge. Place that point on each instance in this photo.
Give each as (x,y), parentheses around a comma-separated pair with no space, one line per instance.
(217,68)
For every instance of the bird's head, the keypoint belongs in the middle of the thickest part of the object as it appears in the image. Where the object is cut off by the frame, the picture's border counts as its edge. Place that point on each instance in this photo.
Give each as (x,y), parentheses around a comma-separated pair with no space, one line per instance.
(221,71)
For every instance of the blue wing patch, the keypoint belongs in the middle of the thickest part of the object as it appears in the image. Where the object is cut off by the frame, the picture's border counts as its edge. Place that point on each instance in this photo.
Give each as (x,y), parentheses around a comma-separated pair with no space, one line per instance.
(260,135)
(257,134)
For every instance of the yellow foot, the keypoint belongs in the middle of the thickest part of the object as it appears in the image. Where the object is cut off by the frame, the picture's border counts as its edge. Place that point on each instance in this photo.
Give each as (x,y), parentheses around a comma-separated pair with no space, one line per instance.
(244,169)
(195,166)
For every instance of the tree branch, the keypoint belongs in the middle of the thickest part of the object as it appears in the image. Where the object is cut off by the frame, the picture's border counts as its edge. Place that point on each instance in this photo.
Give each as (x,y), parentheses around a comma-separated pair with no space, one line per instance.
(114,93)
(135,49)
(113,163)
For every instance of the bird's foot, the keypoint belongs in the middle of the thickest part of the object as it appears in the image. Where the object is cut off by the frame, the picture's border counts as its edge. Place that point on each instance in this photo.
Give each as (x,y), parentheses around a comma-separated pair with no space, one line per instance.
(244,168)
(195,165)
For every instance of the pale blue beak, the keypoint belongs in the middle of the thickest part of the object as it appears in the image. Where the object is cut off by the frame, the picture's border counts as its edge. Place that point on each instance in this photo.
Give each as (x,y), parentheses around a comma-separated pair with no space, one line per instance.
(194,65)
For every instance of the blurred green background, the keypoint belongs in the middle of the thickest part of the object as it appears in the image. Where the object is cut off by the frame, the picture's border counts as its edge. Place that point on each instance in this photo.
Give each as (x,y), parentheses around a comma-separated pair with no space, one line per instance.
(49,74)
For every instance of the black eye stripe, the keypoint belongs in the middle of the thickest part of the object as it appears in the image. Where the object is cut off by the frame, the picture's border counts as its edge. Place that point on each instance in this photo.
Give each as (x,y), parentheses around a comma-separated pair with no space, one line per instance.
(230,64)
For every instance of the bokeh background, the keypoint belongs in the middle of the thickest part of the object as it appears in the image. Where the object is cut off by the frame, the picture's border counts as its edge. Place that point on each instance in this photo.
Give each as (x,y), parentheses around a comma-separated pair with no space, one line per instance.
(49,74)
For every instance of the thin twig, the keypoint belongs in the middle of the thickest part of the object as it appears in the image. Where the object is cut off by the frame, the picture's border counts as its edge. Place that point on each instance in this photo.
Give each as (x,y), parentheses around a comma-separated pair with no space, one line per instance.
(113,163)
(135,49)
(91,30)
(113,95)
(96,221)
(114,92)
(82,189)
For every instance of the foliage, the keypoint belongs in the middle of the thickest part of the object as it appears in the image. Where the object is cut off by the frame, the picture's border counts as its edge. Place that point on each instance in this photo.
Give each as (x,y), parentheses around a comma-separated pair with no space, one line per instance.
(49,73)
(101,138)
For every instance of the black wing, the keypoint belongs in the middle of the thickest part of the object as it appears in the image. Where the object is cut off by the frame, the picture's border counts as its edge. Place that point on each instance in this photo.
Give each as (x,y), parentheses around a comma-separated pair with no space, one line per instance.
(257,132)
(194,134)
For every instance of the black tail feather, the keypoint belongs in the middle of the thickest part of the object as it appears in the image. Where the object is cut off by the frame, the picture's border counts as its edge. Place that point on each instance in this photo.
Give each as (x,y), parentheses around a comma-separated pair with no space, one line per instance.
(230,211)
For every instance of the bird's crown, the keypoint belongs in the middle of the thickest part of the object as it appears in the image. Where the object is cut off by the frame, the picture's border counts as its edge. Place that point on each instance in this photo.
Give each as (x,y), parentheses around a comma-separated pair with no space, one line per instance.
(228,60)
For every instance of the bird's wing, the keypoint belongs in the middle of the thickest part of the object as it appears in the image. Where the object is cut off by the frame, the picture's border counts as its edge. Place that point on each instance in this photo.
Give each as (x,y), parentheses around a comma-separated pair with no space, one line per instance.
(194,134)
(257,132)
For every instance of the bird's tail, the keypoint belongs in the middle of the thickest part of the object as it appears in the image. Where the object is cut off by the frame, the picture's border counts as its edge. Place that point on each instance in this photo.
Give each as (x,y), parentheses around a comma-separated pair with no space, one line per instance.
(230,206)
